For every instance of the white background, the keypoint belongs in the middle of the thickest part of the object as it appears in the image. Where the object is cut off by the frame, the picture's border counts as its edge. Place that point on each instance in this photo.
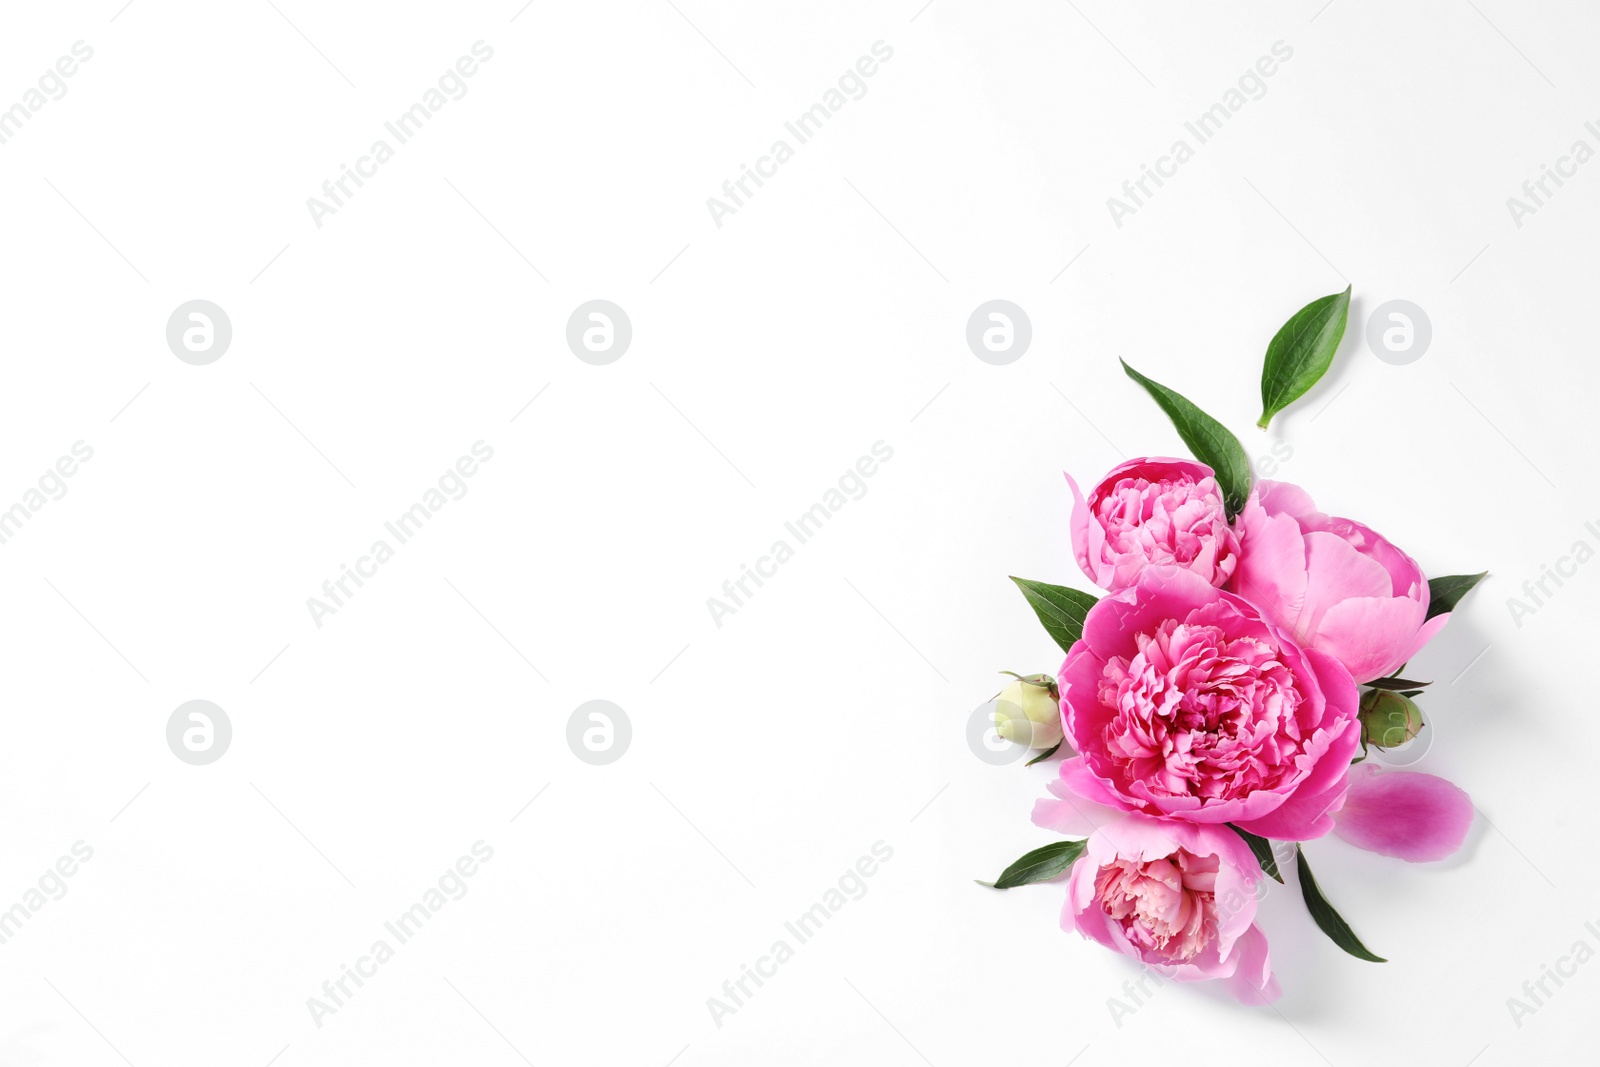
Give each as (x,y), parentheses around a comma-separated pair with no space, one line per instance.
(768,354)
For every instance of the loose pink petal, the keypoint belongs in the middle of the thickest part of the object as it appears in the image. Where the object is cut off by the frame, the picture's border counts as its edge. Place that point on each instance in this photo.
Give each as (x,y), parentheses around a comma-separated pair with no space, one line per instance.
(1405,814)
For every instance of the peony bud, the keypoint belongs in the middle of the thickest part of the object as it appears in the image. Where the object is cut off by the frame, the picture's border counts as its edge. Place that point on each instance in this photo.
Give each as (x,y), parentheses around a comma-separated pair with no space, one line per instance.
(1389,720)
(1026,712)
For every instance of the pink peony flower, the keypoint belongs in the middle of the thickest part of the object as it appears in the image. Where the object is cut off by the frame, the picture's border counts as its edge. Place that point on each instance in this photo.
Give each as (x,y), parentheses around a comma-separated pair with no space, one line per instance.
(1177,897)
(1183,702)
(1330,583)
(1153,511)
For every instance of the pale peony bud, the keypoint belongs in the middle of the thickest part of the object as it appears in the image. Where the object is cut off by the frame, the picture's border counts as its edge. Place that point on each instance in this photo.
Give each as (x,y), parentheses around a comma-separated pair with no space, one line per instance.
(1026,712)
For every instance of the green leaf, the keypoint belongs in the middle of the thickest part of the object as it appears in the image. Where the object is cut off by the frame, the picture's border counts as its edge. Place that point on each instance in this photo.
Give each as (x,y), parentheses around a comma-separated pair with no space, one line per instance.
(1040,865)
(1399,685)
(1301,352)
(1324,915)
(1046,754)
(1207,438)
(1263,850)
(1445,593)
(1062,610)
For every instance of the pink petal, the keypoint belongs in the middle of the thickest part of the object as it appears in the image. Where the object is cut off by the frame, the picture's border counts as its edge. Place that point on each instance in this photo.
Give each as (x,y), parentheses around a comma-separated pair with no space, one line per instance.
(1086,535)
(1253,981)
(1162,593)
(1070,814)
(1426,634)
(1406,814)
(1284,498)
(1272,563)
(1374,636)
(1077,777)
(1335,572)
(1303,817)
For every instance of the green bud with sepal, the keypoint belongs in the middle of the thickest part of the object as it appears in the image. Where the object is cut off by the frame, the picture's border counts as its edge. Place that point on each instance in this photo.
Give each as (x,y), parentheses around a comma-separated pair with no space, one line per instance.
(1389,719)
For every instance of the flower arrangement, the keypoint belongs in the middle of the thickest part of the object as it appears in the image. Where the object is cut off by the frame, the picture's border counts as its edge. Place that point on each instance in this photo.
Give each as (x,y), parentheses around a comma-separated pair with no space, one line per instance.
(1224,693)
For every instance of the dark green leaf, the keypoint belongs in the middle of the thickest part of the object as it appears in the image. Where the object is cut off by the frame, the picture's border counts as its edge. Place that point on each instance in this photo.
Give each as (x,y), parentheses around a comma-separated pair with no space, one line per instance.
(1399,685)
(1060,609)
(1040,865)
(1301,353)
(1412,693)
(1046,754)
(1207,438)
(1445,593)
(1324,915)
(1263,850)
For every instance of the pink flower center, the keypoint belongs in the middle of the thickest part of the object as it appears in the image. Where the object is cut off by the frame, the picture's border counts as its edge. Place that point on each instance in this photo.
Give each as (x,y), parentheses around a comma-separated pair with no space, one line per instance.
(1197,713)
(1168,522)
(1166,906)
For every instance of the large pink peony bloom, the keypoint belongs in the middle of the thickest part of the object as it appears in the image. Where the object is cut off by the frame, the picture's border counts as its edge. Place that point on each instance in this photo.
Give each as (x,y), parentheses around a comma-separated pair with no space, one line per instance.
(1183,702)
(1152,511)
(1176,896)
(1330,583)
